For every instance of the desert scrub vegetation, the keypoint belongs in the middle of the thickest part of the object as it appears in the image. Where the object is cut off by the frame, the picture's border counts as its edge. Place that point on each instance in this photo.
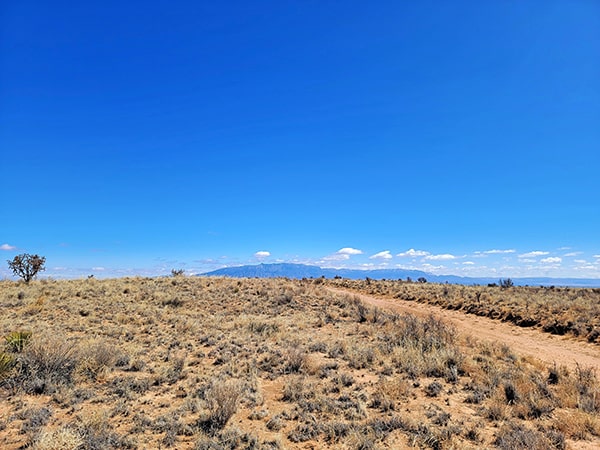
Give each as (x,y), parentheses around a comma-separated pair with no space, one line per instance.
(556,310)
(215,363)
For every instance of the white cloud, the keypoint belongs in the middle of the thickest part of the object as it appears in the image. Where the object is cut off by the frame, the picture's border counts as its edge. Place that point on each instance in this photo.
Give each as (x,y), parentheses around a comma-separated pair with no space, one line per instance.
(443,257)
(497,252)
(7,247)
(262,254)
(349,251)
(551,260)
(572,254)
(533,254)
(469,263)
(343,254)
(580,261)
(431,268)
(528,260)
(413,253)
(382,255)
(596,256)
(337,257)
(100,269)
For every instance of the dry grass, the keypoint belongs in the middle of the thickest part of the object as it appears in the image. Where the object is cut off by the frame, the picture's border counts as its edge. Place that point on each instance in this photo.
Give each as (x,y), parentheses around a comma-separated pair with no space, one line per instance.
(556,310)
(201,363)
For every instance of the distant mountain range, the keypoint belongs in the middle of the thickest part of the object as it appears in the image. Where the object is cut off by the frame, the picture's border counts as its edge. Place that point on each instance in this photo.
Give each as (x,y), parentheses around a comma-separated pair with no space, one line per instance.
(288,270)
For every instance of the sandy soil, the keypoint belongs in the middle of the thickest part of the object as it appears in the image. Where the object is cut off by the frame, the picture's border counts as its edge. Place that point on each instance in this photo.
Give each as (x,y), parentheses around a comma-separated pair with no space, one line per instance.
(524,341)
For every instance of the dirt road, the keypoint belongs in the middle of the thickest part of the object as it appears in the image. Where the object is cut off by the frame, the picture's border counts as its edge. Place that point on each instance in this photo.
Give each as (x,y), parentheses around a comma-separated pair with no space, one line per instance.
(524,341)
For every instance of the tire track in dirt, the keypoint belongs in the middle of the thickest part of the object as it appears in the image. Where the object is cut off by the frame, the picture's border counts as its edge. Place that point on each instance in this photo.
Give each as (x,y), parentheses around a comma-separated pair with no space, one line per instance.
(524,341)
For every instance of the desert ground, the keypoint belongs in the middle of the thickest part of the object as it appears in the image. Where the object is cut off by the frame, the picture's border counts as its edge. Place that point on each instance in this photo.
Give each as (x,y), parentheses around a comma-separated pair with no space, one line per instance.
(216,363)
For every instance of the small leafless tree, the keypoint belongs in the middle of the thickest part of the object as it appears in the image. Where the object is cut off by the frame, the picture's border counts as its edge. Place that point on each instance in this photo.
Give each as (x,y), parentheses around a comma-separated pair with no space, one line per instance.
(27,266)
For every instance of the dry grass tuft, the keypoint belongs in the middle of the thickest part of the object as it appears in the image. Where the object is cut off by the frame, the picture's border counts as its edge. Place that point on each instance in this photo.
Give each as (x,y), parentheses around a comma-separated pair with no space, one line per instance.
(60,439)
(222,400)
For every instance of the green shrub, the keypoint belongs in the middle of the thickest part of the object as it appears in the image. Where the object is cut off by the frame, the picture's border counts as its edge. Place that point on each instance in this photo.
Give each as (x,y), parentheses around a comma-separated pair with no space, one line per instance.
(17,340)
(7,362)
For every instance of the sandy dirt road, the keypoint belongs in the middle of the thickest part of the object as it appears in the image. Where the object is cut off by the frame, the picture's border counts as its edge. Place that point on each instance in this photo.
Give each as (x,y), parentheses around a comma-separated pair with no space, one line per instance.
(524,341)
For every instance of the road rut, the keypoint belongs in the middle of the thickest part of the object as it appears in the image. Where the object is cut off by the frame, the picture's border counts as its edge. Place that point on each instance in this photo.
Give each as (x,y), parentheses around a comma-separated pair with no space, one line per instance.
(546,347)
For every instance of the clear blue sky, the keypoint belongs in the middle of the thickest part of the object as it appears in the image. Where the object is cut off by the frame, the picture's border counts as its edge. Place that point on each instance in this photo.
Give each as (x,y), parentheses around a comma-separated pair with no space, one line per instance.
(136,137)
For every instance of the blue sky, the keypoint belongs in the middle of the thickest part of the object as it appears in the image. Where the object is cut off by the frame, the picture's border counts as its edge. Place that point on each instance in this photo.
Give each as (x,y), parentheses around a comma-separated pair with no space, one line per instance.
(454,137)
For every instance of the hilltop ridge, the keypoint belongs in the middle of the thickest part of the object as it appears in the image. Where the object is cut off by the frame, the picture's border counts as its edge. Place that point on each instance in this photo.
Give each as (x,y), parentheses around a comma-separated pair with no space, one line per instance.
(297,271)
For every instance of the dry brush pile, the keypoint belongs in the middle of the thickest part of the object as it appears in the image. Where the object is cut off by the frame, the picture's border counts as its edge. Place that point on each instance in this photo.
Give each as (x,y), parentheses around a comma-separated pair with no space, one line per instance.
(209,363)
